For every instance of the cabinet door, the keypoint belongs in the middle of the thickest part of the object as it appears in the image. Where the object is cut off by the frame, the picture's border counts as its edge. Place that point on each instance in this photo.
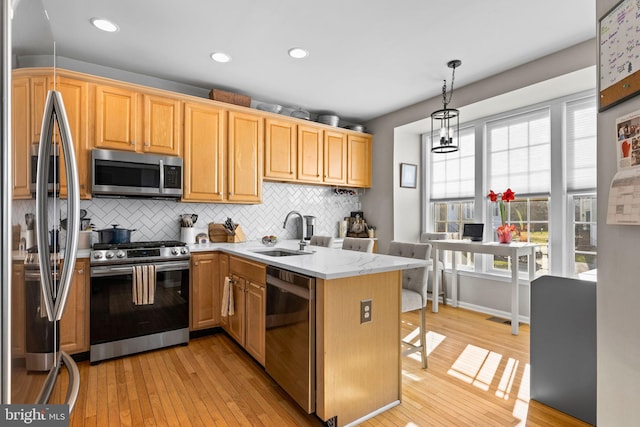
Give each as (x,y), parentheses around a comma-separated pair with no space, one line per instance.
(115,118)
(21,137)
(74,95)
(17,311)
(236,325)
(310,154)
(40,85)
(205,291)
(335,157)
(204,153)
(359,161)
(256,320)
(280,150)
(75,319)
(162,130)
(245,157)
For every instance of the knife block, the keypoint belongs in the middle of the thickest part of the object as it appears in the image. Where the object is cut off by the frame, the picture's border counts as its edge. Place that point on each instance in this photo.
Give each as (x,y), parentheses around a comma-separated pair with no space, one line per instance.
(238,236)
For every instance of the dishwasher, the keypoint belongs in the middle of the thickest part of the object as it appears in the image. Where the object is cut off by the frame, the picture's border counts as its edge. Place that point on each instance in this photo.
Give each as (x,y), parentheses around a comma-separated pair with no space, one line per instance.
(290,334)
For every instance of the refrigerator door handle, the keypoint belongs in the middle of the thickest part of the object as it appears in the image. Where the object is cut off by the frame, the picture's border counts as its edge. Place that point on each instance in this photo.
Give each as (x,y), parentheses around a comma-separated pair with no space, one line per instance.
(54,111)
(73,205)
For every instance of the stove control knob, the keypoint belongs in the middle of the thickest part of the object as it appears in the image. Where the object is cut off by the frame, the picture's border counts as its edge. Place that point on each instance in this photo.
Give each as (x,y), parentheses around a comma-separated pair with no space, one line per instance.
(174,251)
(120,254)
(184,251)
(97,255)
(109,255)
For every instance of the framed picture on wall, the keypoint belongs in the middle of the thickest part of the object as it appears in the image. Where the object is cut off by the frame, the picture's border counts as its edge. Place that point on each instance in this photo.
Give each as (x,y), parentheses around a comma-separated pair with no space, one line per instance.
(408,173)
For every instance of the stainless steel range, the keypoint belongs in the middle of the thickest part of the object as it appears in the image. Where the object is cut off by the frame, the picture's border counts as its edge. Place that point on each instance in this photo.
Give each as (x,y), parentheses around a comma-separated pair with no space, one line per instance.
(139,297)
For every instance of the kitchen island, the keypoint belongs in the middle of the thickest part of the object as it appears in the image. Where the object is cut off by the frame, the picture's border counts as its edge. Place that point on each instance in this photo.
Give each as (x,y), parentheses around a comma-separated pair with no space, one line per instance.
(358,365)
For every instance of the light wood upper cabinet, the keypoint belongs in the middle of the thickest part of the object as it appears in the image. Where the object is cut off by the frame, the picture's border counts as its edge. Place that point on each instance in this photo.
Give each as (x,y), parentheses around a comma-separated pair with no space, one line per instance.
(280,153)
(74,96)
(162,125)
(205,291)
(359,161)
(126,119)
(245,144)
(204,153)
(335,157)
(310,154)
(21,136)
(74,324)
(116,118)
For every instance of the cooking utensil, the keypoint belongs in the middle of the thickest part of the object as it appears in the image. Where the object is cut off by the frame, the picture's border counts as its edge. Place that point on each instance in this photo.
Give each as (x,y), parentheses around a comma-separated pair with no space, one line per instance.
(115,234)
(272,108)
(187,220)
(298,113)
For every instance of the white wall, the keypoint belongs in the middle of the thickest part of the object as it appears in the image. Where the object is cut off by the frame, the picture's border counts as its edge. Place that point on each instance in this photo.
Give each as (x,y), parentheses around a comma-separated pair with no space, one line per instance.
(618,290)
(406,149)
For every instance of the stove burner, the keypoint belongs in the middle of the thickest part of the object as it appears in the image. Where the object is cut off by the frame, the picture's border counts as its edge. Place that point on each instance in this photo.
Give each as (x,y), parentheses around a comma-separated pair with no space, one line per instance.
(137,245)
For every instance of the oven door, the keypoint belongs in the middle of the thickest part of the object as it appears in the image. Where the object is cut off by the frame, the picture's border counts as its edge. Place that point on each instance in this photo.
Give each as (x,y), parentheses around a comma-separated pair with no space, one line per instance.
(114,316)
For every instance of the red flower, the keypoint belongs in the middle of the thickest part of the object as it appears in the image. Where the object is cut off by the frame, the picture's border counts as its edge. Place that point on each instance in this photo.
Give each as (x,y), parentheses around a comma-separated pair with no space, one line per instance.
(507,196)
(492,196)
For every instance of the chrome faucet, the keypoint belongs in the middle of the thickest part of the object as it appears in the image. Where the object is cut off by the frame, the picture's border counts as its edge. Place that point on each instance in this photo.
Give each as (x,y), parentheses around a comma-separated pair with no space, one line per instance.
(300,232)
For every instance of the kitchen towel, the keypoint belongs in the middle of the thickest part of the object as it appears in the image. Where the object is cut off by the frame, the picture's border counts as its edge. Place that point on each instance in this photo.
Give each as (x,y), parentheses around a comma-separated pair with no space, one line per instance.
(227,298)
(144,284)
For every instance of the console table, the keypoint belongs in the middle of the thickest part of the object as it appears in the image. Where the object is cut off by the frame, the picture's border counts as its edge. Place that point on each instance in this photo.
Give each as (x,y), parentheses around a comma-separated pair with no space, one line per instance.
(513,250)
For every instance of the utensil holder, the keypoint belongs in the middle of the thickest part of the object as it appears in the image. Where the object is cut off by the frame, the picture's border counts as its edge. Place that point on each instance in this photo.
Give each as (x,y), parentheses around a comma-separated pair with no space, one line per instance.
(187,235)
(238,236)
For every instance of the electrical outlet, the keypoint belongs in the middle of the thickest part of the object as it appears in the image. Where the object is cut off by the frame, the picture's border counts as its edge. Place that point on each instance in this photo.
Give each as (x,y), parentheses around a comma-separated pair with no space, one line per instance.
(365,310)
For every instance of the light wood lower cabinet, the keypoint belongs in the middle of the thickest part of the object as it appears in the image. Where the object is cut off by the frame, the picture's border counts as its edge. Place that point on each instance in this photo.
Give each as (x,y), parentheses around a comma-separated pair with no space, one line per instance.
(74,325)
(247,325)
(205,291)
(17,311)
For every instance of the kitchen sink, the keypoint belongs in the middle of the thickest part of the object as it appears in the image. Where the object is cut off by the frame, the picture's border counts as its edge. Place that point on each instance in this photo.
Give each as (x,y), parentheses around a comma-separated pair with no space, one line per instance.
(282,252)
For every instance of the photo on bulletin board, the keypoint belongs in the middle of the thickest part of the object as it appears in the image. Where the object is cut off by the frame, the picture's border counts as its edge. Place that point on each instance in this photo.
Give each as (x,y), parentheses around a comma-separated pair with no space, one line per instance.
(408,175)
(619,54)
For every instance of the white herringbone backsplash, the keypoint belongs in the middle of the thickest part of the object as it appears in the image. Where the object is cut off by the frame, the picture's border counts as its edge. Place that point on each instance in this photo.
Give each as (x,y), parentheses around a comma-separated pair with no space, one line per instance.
(158,219)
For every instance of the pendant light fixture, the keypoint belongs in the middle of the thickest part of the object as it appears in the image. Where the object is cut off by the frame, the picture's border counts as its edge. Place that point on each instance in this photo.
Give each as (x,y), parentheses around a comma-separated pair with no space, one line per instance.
(448,118)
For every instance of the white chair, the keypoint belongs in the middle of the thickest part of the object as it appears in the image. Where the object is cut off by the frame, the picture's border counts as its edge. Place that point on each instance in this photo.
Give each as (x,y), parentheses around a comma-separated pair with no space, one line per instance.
(414,290)
(357,244)
(326,241)
(427,238)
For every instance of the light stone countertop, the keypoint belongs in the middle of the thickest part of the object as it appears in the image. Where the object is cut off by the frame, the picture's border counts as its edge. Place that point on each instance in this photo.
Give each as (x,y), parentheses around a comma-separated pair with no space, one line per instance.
(324,263)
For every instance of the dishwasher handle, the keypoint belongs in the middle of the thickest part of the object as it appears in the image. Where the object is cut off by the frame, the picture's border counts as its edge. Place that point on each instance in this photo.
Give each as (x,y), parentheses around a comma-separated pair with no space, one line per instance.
(300,291)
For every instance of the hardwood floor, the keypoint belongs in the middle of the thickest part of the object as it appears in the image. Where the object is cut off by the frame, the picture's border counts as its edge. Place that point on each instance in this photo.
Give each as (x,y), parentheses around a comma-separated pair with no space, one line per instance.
(477,376)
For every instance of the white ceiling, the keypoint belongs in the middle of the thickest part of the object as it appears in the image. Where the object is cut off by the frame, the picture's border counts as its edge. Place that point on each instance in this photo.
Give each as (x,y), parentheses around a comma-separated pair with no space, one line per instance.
(367,57)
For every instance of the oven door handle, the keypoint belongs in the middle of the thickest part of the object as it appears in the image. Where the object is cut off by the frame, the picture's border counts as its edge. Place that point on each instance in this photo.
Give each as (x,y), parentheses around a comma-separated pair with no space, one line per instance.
(104,271)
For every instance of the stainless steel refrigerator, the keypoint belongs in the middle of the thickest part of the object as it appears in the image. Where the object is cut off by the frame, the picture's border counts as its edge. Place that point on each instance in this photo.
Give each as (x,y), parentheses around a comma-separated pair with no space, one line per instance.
(31,376)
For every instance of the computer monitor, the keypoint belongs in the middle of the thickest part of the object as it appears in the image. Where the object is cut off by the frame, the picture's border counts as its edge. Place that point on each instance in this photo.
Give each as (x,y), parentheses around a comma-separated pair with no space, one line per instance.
(474,232)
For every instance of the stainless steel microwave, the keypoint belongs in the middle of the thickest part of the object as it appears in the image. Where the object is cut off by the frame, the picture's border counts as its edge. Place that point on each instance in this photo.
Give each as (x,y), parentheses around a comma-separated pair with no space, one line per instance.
(53,183)
(124,174)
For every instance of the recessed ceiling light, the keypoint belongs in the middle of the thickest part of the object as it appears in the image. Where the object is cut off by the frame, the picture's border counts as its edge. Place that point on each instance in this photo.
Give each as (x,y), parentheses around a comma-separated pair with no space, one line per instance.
(298,53)
(104,25)
(220,57)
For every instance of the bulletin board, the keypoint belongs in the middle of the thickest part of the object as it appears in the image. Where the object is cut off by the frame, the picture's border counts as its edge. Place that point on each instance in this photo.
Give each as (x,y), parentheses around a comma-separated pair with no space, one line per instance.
(619,54)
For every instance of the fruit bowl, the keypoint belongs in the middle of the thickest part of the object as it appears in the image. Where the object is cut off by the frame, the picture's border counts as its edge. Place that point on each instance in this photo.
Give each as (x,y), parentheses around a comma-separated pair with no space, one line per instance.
(269,240)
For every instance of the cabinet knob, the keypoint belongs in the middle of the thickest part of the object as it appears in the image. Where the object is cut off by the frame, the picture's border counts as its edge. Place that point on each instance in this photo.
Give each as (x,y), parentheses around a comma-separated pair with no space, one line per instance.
(133,143)
(196,263)
(146,144)
(81,271)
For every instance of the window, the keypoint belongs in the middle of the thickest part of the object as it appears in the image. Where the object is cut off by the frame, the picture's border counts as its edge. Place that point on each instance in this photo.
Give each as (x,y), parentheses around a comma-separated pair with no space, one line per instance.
(452,188)
(581,182)
(546,154)
(530,216)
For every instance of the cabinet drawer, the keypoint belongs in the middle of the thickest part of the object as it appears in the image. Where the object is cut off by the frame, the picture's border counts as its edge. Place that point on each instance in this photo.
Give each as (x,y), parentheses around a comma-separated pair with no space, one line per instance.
(250,270)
